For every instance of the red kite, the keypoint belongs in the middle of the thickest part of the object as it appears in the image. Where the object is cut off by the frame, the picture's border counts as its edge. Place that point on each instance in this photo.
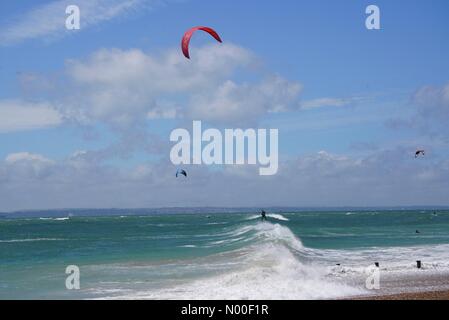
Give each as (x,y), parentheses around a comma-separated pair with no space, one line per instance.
(186,38)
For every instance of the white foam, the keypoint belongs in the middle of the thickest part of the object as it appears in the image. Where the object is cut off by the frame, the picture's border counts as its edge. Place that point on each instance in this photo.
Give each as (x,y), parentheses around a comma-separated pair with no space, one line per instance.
(267,269)
(275,233)
(55,219)
(272,272)
(396,260)
(276,216)
(30,240)
(263,232)
(275,265)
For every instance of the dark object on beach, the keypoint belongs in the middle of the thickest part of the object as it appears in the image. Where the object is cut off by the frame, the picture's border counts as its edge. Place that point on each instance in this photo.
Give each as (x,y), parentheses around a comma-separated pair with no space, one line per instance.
(418,264)
(338,264)
(376,264)
(418,152)
(264,215)
(183,172)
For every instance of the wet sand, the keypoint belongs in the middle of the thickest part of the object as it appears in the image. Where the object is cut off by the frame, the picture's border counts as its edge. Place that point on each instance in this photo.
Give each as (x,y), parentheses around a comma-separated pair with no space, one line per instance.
(418,286)
(430,295)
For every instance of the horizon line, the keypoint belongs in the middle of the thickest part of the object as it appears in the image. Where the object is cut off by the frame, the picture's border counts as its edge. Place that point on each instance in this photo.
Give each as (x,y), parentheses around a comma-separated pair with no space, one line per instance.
(324,208)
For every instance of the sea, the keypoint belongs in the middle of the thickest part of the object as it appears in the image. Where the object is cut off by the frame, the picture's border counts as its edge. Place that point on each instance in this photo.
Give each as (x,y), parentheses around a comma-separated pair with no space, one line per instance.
(219,253)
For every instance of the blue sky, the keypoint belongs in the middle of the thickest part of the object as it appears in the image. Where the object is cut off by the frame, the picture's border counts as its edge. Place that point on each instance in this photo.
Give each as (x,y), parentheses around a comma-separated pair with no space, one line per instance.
(365,100)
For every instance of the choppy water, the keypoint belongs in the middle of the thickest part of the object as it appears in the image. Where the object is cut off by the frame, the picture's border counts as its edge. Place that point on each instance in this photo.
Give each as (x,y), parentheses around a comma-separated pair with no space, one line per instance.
(215,255)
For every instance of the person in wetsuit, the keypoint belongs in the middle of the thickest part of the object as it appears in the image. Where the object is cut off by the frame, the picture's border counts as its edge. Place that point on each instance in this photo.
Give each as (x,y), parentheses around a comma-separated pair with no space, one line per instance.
(263,215)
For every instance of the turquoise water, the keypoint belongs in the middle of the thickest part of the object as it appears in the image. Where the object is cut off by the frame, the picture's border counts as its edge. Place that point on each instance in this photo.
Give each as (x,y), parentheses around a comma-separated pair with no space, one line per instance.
(211,255)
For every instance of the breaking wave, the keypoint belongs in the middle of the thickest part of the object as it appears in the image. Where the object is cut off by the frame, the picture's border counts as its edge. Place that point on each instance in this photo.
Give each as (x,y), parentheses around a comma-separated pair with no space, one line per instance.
(268,266)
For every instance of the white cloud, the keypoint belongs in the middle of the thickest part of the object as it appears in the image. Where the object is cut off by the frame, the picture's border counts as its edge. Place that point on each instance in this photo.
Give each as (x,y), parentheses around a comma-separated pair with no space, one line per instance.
(168,72)
(16,115)
(48,20)
(125,87)
(387,177)
(121,87)
(233,102)
(327,102)
(25,167)
(26,156)
(429,110)
(162,113)
(433,101)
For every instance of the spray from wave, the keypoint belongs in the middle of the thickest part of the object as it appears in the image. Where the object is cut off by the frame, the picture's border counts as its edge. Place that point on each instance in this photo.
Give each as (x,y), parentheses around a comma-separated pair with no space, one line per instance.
(269,266)
(55,219)
(275,216)
(31,240)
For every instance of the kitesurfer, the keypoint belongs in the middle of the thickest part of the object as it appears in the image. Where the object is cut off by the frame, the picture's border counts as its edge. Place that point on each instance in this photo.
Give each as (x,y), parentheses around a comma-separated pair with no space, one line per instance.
(263,215)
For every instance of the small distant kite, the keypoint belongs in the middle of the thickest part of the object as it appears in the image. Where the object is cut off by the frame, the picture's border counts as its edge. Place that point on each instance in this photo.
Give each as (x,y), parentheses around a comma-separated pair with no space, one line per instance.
(183,172)
(186,38)
(418,152)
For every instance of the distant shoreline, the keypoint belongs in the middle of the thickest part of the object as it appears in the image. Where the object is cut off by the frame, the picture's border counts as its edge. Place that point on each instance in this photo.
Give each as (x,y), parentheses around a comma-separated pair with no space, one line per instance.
(189,210)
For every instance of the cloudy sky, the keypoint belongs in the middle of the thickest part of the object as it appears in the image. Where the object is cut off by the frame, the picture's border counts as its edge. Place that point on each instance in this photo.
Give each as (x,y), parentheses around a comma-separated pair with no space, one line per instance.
(86,115)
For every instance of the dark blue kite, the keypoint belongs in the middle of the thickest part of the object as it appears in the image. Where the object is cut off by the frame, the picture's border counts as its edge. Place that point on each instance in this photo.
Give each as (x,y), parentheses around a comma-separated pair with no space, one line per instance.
(183,172)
